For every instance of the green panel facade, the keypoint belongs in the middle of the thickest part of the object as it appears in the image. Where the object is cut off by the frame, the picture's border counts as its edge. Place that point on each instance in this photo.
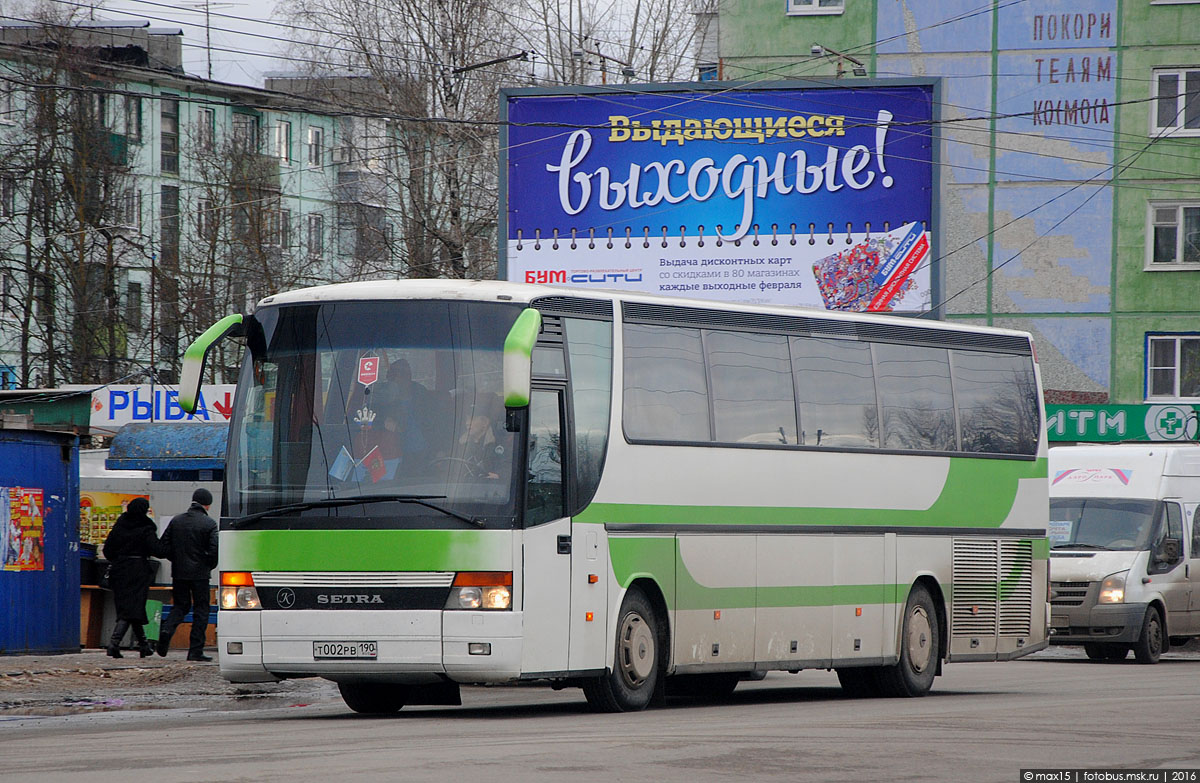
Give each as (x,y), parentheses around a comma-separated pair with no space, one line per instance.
(1055,164)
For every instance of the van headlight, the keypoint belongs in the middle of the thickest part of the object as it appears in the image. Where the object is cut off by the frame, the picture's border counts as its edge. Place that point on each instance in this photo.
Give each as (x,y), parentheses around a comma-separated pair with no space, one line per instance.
(1112,589)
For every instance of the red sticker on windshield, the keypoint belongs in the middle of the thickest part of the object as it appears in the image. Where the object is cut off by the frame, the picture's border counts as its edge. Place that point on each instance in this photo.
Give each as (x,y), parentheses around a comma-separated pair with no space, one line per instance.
(368,370)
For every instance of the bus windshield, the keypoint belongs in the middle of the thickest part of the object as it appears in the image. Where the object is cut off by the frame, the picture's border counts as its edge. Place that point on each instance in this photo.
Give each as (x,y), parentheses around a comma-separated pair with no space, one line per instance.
(1101,523)
(343,400)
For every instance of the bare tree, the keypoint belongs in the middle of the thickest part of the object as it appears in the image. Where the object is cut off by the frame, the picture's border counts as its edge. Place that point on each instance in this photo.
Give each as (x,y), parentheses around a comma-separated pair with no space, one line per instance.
(71,183)
(430,75)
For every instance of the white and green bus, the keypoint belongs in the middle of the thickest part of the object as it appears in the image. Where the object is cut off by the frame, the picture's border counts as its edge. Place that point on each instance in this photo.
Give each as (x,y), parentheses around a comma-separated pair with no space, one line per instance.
(432,483)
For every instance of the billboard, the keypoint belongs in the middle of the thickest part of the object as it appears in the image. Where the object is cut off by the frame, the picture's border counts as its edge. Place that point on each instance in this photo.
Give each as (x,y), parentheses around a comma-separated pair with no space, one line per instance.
(815,196)
(116,405)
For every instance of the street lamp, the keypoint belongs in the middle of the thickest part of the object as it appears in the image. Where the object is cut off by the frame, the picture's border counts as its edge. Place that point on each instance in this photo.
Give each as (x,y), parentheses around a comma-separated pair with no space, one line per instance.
(822,51)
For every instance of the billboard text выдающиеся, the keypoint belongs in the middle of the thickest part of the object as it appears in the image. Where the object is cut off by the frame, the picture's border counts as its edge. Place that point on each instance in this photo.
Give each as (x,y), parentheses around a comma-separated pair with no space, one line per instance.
(814,196)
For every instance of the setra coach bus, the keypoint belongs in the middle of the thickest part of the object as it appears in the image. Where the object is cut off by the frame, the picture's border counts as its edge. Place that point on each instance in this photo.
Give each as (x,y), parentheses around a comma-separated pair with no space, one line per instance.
(432,483)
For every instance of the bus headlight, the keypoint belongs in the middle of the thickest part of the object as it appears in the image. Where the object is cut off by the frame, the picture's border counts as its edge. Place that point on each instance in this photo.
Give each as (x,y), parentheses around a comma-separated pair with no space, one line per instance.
(484,590)
(1112,589)
(238,591)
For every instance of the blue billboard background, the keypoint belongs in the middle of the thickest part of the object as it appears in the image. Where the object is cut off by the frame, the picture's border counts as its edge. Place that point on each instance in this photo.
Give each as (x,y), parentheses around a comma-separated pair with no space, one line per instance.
(872,162)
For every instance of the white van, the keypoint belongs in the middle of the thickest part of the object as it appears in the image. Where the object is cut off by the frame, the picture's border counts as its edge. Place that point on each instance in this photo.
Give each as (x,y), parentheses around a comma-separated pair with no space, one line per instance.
(1123,540)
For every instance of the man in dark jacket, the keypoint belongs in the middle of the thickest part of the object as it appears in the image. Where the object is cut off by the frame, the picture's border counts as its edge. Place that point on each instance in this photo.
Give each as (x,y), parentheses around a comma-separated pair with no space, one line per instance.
(190,543)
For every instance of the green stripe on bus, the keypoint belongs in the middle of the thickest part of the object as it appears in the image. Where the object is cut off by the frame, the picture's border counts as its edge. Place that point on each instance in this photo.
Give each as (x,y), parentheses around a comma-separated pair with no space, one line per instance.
(369,550)
(977,492)
(654,558)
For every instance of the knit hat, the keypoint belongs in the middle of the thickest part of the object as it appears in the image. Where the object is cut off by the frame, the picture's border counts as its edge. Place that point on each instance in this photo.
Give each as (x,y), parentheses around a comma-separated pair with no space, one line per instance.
(202,496)
(138,507)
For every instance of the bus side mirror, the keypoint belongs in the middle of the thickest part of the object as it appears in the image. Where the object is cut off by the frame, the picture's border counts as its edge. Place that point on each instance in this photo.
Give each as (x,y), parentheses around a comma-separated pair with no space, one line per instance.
(518,363)
(196,355)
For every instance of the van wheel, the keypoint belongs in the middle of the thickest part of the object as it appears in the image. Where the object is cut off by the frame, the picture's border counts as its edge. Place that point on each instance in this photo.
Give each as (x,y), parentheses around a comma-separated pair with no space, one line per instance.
(1115,652)
(373,698)
(637,668)
(913,674)
(1095,651)
(1149,645)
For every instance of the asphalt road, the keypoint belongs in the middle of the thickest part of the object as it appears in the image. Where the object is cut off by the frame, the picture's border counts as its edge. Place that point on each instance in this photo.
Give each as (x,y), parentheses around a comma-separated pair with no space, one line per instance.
(982,722)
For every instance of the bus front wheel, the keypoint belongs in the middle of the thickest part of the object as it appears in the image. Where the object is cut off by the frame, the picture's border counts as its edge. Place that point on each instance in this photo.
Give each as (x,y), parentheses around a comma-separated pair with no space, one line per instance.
(913,674)
(636,669)
(372,698)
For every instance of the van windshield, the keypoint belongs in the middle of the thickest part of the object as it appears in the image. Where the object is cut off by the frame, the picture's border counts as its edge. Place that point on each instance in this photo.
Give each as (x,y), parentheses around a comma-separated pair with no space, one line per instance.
(1101,523)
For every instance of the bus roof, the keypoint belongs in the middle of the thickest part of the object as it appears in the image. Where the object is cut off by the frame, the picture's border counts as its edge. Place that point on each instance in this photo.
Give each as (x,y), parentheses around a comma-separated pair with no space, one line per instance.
(493,290)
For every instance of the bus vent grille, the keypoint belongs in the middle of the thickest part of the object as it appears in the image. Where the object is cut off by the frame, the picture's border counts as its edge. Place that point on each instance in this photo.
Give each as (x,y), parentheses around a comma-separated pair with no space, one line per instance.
(974,604)
(1016,587)
(571,305)
(353,578)
(993,588)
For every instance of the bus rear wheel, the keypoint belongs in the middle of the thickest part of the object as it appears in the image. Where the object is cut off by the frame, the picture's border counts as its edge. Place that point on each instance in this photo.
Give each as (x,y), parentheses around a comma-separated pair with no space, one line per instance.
(372,698)
(637,667)
(913,674)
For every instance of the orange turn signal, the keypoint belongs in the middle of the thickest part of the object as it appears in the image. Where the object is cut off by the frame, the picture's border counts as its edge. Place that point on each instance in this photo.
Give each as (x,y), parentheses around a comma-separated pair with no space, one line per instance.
(593,579)
(483,579)
(237,579)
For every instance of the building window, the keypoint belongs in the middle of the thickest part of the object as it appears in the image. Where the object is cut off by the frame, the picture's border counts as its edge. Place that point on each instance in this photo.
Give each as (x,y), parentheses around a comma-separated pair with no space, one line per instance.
(283,140)
(245,133)
(169,135)
(1173,235)
(100,109)
(809,7)
(133,117)
(207,132)
(7,113)
(206,221)
(8,292)
(316,235)
(1172,366)
(43,296)
(131,209)
(279,227)
(1176,104)
(8,196)
(316,146)
(133,307)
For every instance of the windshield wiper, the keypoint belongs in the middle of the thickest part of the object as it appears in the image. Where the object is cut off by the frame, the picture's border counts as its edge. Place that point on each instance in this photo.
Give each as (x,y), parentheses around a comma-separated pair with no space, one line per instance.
(420,500)
(1080,546)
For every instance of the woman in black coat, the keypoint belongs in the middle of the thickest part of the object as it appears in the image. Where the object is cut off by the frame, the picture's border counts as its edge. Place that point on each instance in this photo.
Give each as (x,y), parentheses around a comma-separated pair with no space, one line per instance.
(129,546)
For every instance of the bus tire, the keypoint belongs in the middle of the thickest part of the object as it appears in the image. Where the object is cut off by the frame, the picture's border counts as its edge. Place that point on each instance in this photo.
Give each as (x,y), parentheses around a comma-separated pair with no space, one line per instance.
(372,698)
(1149,646)
(913,674)
(859,681)
(637,664)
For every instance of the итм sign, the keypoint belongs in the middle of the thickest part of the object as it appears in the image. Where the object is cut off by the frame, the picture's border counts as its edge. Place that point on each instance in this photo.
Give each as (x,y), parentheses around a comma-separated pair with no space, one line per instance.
(1119,423)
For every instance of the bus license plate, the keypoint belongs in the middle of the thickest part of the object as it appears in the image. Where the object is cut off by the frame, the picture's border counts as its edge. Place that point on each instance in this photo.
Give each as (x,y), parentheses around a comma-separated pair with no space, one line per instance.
(355,650)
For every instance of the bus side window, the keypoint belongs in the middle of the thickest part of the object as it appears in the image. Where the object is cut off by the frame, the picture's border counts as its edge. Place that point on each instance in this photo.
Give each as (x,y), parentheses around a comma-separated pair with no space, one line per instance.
(544,492)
